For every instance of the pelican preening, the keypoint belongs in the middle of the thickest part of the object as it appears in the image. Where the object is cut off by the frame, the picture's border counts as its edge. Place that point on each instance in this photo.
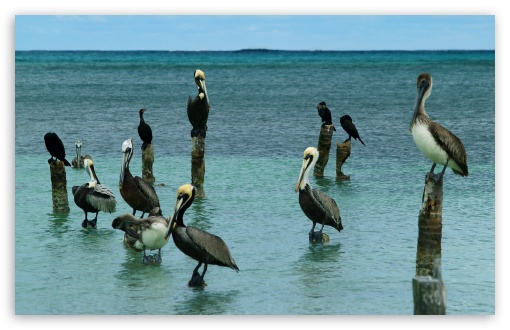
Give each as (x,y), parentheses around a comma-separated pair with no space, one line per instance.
(206,248)
(436,142)
(144,131)
(325,114)
(93,197)
(317,206)
(198,107)
(56,148)
(348,126)
(78,160)
(143,234)
(137,193)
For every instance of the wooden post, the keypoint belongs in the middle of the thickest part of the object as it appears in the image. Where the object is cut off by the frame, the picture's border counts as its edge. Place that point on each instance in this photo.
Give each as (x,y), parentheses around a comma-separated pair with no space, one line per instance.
(59,187)
(429,226)
(147,161)
(343,151)
(198,163)
(429,293)
(324,145)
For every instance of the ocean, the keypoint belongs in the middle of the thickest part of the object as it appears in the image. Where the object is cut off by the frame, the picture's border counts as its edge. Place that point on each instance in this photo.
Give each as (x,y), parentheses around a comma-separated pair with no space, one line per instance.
(263,116)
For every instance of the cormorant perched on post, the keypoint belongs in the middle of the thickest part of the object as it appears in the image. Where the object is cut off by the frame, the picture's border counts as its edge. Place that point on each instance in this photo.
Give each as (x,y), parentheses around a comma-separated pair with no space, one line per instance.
(325,114)
(436,142)
(207,249)
(144,131)
(93,197)
(348,126)
(55,148)
(198,107)
(317,206)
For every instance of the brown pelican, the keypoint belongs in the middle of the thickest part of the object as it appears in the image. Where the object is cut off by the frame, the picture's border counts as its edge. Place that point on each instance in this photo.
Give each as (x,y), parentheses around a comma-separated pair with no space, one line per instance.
(317,206)
(325,114)
(137,193)
(93,196)
(144,131)
(55,148)
(78,160)
(198,107)
(206,248)
(143,234)
(436,142)
(348,126)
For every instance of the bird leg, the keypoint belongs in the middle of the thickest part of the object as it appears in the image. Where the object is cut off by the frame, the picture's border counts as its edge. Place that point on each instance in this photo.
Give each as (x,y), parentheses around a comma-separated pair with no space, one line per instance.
(154,259)
(89,224)
(196,278)
(436,177)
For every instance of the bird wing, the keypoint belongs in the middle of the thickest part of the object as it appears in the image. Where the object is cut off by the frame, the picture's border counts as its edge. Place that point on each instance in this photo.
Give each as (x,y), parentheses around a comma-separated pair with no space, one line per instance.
(147,190)
(211,244)
(133,226)
(327,203)
(452,145)
(102,198)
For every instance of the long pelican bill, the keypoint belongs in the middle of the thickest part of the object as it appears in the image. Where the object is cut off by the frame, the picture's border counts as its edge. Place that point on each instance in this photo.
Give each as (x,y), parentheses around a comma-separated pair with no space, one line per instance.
(127,147)
(178,205)
(306,163)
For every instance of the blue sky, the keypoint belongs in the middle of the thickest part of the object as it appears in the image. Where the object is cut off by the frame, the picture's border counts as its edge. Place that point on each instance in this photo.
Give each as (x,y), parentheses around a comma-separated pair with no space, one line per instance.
(233,32)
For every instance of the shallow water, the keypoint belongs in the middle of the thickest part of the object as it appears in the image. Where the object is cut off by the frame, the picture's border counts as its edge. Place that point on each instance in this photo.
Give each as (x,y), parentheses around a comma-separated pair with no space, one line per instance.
(262,118)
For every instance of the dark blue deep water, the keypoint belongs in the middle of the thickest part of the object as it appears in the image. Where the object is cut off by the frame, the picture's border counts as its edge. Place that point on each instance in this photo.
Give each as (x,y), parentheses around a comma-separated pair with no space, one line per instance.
(263,116)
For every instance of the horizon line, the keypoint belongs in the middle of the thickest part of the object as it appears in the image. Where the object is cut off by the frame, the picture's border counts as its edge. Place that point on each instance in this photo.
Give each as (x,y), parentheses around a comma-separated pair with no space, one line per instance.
(251,50)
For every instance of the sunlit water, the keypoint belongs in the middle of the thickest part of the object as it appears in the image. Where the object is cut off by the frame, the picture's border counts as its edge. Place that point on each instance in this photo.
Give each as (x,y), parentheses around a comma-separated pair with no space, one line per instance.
(262,118)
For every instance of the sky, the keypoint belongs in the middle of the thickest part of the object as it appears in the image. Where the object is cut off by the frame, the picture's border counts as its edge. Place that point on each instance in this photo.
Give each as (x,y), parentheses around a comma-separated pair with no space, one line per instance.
(234,32)
(333,25)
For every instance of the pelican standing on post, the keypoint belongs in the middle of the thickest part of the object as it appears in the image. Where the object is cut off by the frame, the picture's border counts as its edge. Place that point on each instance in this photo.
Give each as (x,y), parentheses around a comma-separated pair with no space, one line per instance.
(143,234)
(56,148)
(350,128)
(207,249)
(325,114)
(198,107)
(78,160)
(317,206)
(436,142)
(137,193)
(93,197)
(144,131)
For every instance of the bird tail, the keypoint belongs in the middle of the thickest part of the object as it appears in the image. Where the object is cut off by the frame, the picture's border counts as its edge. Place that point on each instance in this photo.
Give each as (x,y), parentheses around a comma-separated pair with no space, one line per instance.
(66,163)
(360,140)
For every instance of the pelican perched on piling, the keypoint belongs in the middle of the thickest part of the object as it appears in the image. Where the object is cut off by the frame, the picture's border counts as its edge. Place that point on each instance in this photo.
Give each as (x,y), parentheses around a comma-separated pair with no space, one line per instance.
(144,131)
(317,206)
(144,234)
(350,128)
(436,142)
(325,114)
(207,249)
(198,107)
(93,197)
(78,160)
(137,193)
(56,148)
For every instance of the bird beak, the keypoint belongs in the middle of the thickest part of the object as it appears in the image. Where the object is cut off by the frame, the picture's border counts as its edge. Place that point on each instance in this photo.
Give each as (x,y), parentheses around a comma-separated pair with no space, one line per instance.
(124,160)
(173,222)
(306,161)
(204,89)
(419,99)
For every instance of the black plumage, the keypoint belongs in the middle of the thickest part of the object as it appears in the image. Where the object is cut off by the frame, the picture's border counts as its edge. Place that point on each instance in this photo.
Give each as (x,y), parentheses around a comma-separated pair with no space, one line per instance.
(348,126)
(144,131)
(55,148)
(325,114)
(198,107)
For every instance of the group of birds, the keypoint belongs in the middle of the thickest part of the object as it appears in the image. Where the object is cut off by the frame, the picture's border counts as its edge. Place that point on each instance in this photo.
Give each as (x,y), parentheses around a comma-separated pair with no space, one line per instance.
(152,233)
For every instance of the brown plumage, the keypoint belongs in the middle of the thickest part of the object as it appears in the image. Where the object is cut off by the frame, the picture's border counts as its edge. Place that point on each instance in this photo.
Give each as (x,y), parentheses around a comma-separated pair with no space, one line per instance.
(206,248)
(317,206)
(93,197)
(137,193)
(436,142)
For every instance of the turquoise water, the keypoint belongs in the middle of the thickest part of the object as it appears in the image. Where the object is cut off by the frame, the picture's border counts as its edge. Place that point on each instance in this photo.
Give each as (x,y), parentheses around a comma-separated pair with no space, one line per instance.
(262,118)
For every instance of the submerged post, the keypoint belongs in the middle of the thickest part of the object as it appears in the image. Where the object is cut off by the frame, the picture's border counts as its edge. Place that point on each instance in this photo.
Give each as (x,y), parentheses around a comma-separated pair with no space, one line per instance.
(429,226)
(198,163)
(147,161)
(59,187)
(343,151)
(429,293)
(324,145)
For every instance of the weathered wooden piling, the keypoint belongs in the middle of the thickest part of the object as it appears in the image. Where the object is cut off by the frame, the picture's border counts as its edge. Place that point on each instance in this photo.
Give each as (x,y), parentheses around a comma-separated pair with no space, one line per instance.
(147,161)
(429,293)
(198,163)
(429,226)
(343,151)
(59,187)
(324,145)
